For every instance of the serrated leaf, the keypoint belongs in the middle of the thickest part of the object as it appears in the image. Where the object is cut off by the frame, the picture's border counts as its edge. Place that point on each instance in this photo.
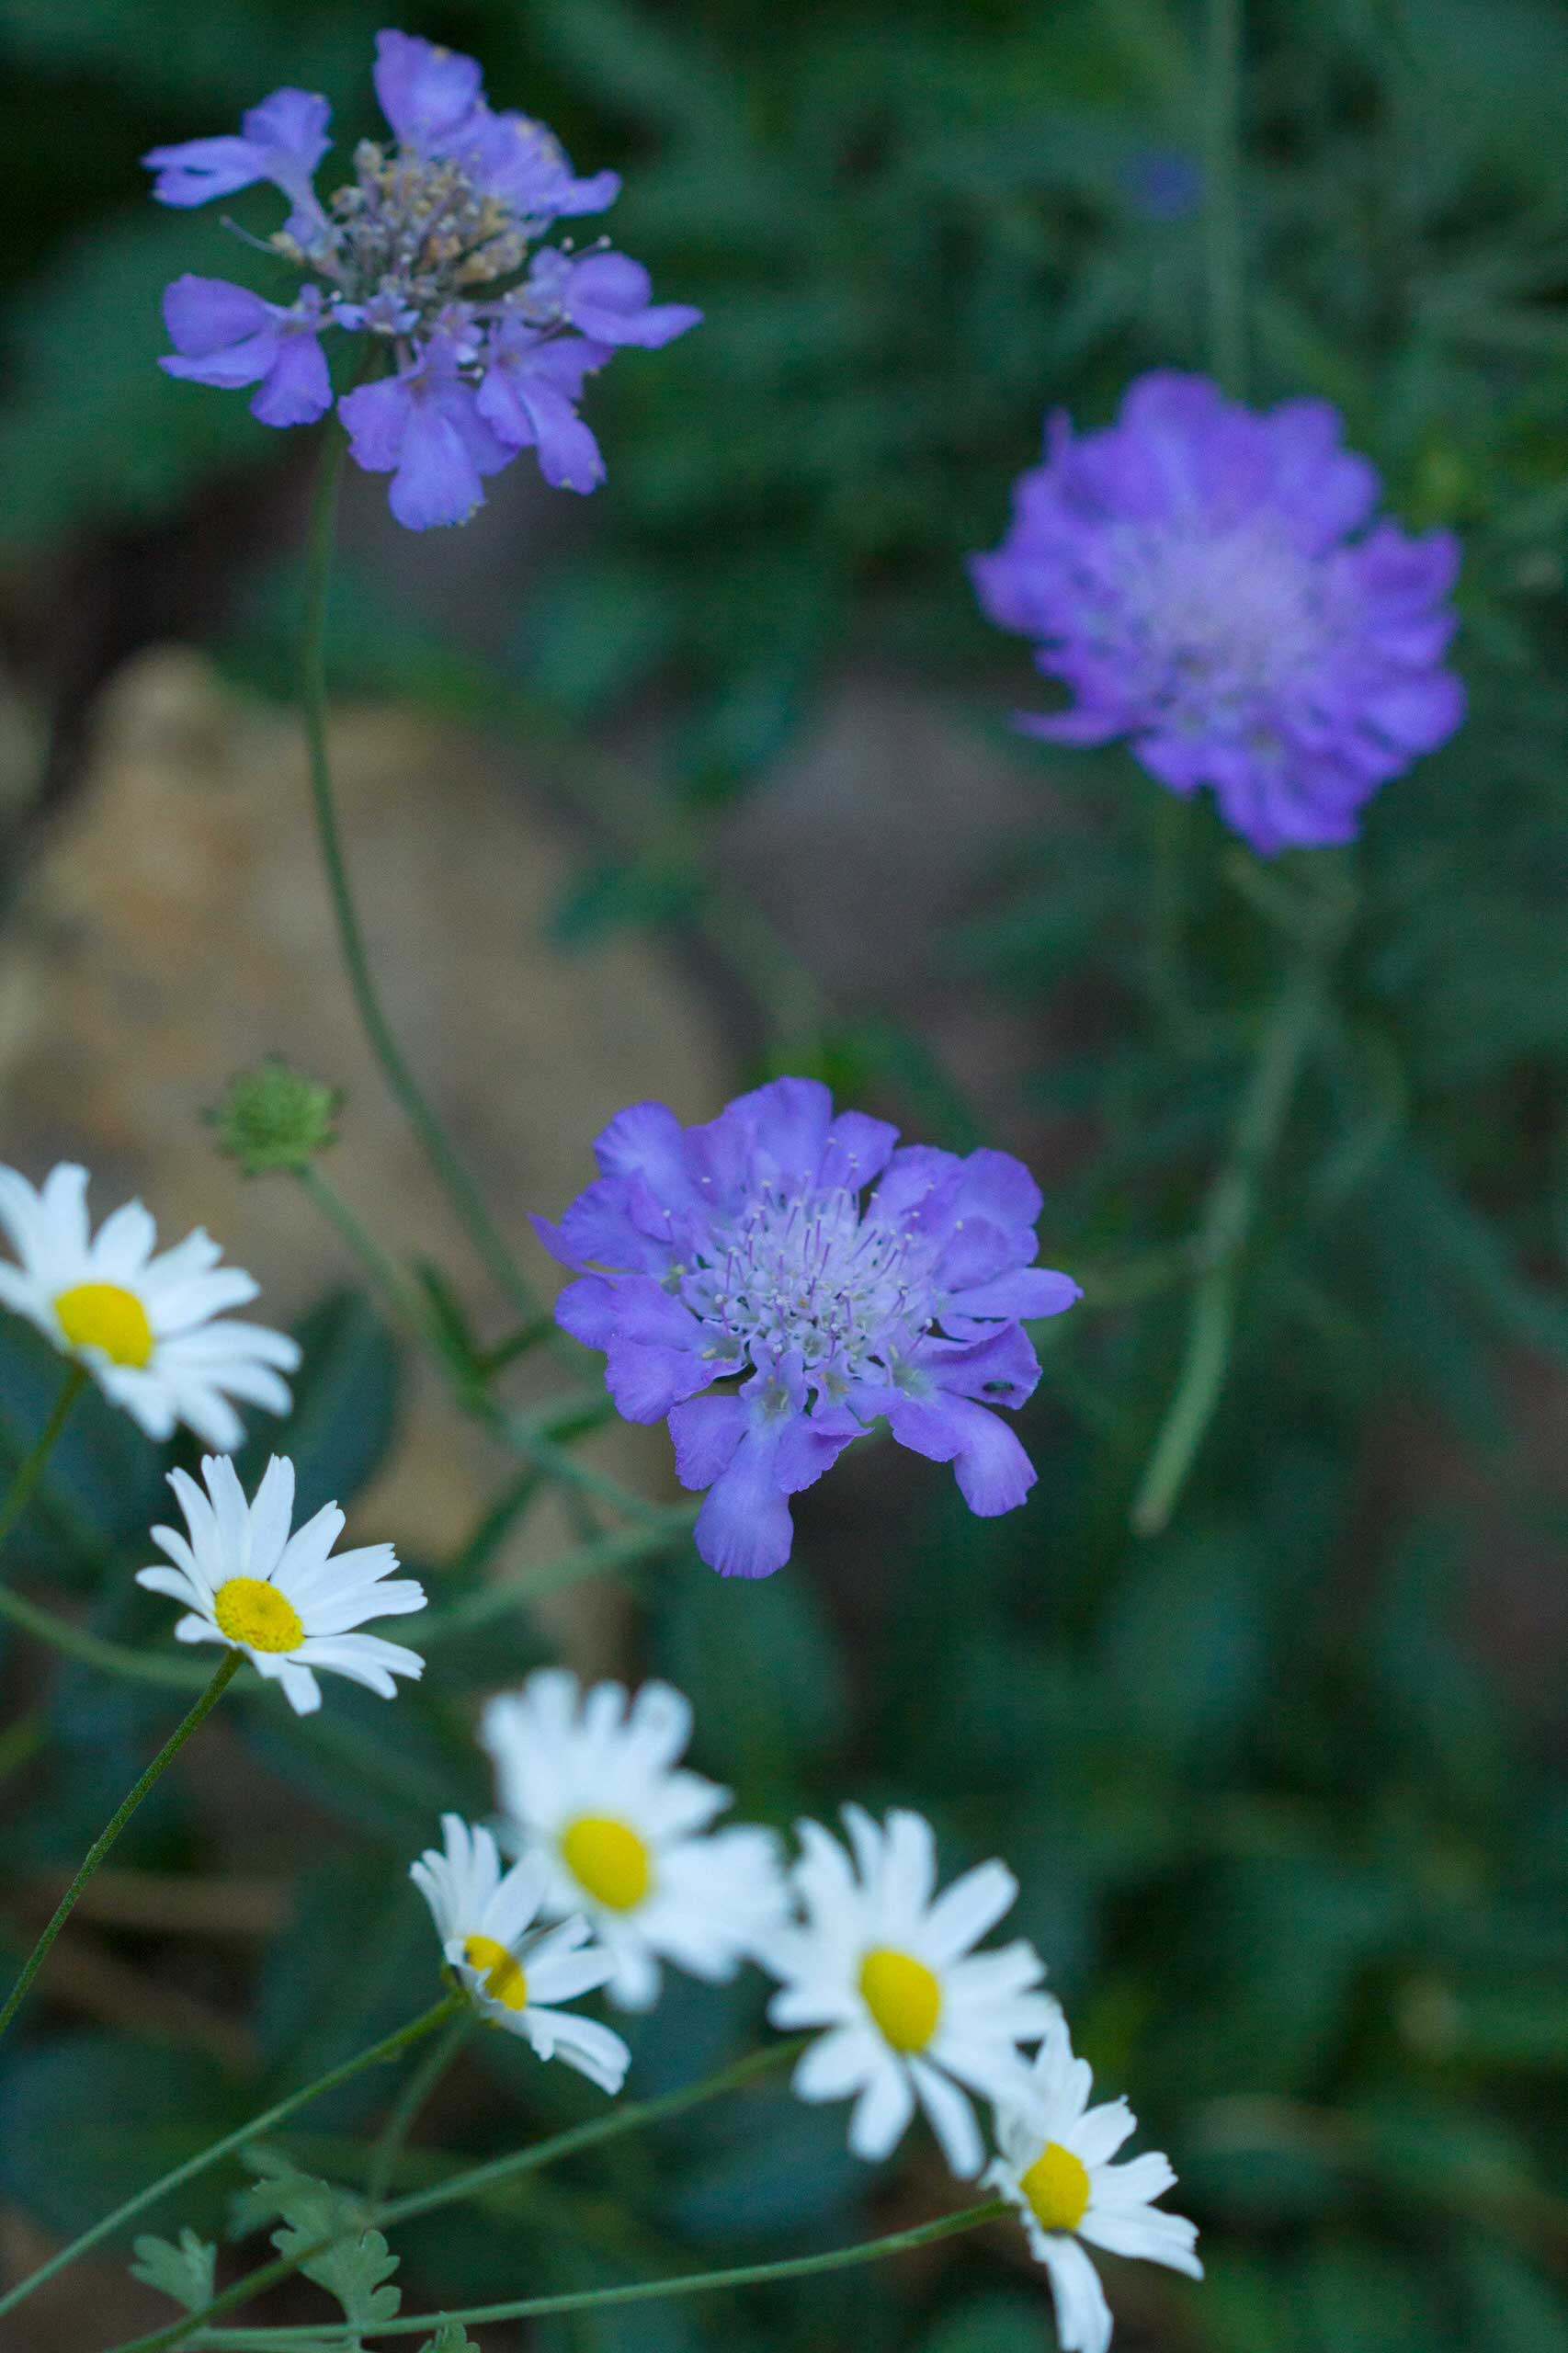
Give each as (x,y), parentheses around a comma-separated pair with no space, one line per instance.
(450,2337)
(185,2272)
(353,2263)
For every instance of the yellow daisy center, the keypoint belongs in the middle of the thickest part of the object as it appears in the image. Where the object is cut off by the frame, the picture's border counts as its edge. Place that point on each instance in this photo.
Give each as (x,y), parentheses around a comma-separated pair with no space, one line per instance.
(1057,2186)
(102,1315)
(503,1978)
(258,1615)
(903,1996)
(609,1859)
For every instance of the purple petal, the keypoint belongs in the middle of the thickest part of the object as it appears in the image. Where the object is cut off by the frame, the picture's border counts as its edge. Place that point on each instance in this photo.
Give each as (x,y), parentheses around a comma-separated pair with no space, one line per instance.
(424,91)
(376,418)
(204,315)
(1023,1293)
(706,1432)
(993,1472)
(298,388)
(744,1528)
(199,169)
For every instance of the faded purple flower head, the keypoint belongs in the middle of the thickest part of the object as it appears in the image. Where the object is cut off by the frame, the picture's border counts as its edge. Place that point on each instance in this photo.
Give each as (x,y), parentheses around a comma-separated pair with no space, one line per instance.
(744,1251)
(1193,574)
(430,251)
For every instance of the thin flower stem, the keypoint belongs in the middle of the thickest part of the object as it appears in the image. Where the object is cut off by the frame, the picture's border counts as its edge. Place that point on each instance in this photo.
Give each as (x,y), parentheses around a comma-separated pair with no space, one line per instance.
(641,2291)
(1223,253)
(30,1470)
(1227,1224)
(630,2117)
(115,1823)
(390,2047)
(515,1431)
(405,2110)
(598,1558)
(92,1650)
(421,1115)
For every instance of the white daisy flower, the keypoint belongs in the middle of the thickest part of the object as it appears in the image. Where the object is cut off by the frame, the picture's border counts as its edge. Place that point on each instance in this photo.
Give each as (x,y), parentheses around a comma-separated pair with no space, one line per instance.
(590,1784)
(152,1331)
(289,1602)
(912,2012)
(483,1916)
(1055,2168)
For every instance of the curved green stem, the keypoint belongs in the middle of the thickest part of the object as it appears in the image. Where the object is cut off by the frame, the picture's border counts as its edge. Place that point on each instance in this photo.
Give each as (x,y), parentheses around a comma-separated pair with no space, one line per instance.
(411,2099)
(390,2047)
(1227,1224)
(641,2291)
(30,1468)
(421,1115)
(115,1823)
(92,1650)
(630,2117)
(1224,264)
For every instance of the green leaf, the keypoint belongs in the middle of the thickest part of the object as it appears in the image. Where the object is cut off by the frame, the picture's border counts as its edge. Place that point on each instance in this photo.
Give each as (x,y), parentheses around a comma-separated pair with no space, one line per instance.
(183,2272)
(357,2263)
(450,2337)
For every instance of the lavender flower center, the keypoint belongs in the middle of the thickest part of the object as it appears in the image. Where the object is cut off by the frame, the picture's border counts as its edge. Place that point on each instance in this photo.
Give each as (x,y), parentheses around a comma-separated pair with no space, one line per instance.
(808,1275)
(410,233)
(1227,617)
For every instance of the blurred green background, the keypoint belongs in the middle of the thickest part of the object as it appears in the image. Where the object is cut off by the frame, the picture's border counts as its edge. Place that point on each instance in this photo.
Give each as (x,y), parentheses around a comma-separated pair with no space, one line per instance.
(1285,1786)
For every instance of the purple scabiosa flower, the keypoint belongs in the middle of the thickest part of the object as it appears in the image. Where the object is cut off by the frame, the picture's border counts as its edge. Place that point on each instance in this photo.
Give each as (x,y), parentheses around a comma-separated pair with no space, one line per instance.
(1193,574)
(225,334)
(744,1251)
(431,251)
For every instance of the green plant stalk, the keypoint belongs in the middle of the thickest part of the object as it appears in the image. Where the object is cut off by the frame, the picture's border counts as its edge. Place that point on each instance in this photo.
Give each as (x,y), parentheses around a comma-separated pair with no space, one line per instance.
(405,2110)
(420,1113)
(390,2046)
(92,1650)
(115,1823)
(1222,247)
(745,2275)
(30,1470)
(1227,1224)
(633,2116)
(513,1430)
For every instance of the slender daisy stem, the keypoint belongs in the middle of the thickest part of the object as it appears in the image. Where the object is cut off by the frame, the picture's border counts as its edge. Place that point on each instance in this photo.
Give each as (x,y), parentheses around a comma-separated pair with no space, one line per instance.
(474,2181)
(1227,1223)
(92,1650)
(171,1748)
(390,2046)
(30,1468)
(641,2291)
(405,2110)
(420,1113)
(1224,254)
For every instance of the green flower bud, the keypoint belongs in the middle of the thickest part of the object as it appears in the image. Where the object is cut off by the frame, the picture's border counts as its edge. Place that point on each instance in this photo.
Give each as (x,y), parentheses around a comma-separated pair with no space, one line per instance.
(273,1117)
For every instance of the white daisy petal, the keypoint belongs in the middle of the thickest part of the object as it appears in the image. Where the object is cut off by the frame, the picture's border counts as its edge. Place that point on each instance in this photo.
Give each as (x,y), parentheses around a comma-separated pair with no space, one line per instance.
(589,1781)
(230,1568)
(881,1961)
(1083,2317)
(483,1916)
(1066,2193)
(142,1324)
(882,2113)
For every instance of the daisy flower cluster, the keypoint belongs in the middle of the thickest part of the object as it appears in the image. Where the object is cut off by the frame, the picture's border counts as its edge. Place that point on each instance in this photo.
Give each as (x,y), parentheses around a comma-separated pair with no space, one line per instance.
(622,1868)
(431,252)
(1211,583)
(747,1250)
